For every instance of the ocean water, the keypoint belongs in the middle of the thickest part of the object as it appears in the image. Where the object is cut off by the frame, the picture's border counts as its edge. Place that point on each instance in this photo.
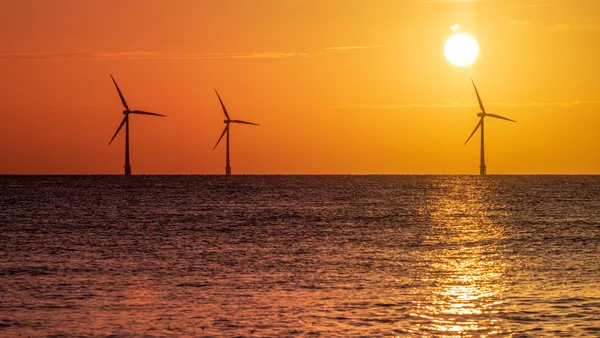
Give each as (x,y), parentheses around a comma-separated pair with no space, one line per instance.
(279,256)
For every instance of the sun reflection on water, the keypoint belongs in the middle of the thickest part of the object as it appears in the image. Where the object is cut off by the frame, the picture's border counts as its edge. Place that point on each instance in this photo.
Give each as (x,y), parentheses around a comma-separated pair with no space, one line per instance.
(465,301)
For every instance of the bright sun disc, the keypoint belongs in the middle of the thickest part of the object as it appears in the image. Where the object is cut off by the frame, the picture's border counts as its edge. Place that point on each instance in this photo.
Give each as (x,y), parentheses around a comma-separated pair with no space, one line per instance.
(461,49)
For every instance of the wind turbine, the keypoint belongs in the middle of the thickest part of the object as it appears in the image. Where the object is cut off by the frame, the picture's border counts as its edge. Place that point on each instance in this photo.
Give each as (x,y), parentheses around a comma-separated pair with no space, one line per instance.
(125,122)
(482,115)
(227,122)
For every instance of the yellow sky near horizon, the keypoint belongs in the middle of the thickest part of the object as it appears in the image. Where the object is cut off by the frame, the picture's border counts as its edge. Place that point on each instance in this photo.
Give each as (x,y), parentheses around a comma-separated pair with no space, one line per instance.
(337,86)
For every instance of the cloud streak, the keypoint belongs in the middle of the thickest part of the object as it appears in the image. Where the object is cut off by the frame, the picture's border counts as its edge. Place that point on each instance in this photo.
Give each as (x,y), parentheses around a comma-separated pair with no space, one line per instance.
(141,55)
(588,27)
(520,22)
(148,55)
(454,105)
(352,49)
(447,1)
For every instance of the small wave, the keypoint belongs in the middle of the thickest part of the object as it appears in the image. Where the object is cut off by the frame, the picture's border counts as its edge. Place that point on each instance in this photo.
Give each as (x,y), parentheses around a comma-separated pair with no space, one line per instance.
(6,324)
(311,287)
(51,306)
(34,271)
(570,300)
(193,285)
(385,304)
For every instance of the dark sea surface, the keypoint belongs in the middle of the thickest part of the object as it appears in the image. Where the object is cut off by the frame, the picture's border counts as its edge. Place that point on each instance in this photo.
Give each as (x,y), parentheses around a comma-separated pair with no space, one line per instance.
(278,256)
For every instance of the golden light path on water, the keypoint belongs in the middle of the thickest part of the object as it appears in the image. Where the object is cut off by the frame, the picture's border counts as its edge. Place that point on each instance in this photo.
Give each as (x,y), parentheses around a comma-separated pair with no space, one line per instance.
(467,300)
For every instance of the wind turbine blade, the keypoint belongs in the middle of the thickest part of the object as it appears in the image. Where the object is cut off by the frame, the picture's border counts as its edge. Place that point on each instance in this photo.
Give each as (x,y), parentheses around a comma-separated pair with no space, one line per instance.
(501,117)
(120,94)
(118,129)
(244,122)
(141,112)
(476,127)
(224,131)
(478,98)
(222,105)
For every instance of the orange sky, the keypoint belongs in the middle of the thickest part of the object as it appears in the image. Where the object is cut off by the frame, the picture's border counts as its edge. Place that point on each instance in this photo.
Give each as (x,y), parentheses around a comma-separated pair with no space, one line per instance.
(338,86)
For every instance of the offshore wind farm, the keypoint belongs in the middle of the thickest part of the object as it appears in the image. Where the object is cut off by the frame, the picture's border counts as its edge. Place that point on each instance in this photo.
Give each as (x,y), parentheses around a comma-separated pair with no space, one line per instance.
(355,210)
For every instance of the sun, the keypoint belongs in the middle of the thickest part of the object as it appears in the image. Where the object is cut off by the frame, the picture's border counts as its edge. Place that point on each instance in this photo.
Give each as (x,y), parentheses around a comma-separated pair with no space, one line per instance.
(461,49)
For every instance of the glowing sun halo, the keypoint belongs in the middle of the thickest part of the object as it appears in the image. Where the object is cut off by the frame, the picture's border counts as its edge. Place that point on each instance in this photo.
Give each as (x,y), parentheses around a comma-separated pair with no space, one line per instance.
(461,49)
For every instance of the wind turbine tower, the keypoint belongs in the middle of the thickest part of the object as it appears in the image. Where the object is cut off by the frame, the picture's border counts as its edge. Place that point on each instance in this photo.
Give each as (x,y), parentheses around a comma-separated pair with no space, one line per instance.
(125,122)
(228,121)
(482,115)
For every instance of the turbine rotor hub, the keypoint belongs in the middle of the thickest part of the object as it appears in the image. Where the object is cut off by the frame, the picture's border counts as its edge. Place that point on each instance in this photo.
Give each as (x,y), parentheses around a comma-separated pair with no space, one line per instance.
(482,114)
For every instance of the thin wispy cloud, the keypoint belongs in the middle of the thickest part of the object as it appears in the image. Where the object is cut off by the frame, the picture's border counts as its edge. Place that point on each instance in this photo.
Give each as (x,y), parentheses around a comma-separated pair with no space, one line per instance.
(263,55)
(530,5)
(563,27)
(352,49)
(537,5)
(80,55)
(448,104)
(137,55)
(521,22)
(149,55)
(447,1)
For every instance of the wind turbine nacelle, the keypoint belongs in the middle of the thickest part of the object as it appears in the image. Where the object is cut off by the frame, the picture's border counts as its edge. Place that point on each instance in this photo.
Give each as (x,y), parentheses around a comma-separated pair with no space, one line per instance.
(481,114)
(125,112)
(226,121)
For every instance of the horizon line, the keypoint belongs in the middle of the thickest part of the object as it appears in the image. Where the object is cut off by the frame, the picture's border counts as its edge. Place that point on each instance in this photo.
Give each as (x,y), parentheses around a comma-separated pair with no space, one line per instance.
(321,174)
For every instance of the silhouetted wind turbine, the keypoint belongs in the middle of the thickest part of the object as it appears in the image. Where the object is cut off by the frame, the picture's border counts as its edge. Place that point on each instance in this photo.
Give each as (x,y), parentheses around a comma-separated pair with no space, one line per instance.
(125,122)
(227,122)
(482,115)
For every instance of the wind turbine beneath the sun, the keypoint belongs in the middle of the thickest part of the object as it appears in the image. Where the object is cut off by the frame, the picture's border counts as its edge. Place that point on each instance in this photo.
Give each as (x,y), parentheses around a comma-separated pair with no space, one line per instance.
(125,122)
(482,115)
(228,121)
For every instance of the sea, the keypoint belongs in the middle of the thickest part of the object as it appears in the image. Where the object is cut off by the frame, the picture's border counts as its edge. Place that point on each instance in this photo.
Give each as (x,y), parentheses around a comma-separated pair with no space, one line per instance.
(300,256)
